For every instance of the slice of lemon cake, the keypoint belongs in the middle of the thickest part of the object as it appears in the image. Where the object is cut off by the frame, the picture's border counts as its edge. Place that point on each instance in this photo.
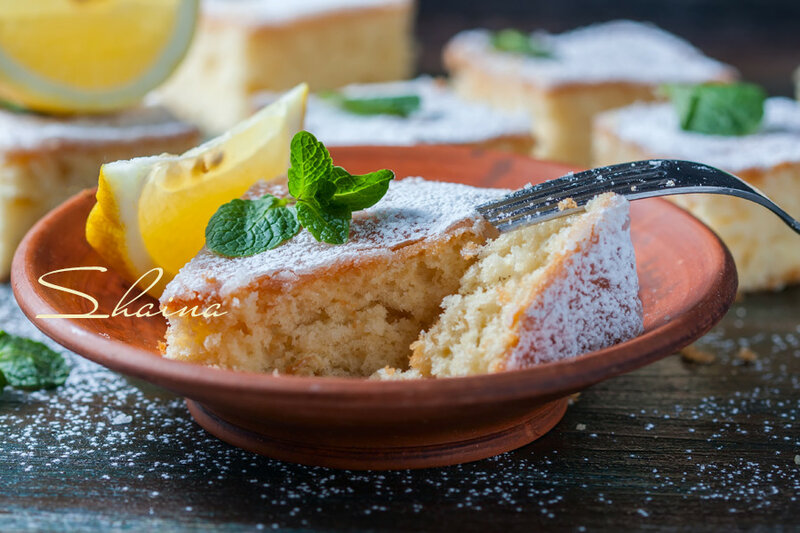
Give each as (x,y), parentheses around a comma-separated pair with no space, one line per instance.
(247,46)
(564,80)
(307,307)
(406,113)
(766,252)
(539,294)
(47,159)
(353,309)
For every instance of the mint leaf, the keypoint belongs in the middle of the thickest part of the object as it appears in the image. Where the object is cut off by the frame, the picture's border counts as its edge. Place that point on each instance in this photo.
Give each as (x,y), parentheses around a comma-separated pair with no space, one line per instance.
(27,364)
(325,196)
(718,109)
(329,224)
(517,42)
(400,105)
(311,165)
(248,227)
(358,192)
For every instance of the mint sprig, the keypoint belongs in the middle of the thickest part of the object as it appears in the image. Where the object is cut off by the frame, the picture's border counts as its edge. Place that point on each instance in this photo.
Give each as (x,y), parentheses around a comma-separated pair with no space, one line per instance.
(401,105)
(517,42)
(27,364)
(718,109)
(323,198)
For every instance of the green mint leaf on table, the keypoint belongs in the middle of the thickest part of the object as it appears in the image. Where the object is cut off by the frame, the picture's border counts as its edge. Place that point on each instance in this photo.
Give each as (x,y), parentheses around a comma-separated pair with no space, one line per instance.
(360,191)
(517,42)
(329,224)
(398,105)
(718,109)
(27,364)
(323,198)
(248,227)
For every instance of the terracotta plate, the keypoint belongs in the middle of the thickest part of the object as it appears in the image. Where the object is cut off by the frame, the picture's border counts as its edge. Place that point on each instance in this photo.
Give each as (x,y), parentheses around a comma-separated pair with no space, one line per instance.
(687,281)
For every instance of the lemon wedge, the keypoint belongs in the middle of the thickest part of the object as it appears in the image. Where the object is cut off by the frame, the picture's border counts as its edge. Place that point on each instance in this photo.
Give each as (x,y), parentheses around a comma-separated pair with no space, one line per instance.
(90,55)
(153,211)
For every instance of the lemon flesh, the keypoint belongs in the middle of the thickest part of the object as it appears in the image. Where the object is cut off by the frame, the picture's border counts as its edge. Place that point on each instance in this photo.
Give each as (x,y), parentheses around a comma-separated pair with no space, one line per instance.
(153,211)
(90,55)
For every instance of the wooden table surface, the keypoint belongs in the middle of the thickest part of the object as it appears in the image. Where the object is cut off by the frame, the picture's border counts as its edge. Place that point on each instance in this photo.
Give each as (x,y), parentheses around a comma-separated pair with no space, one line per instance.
(675,444)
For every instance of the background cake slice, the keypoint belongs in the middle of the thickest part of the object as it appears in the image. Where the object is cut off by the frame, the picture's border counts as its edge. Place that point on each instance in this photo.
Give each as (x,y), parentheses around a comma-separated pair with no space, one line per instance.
(248,46)
(766,252)
(539,294)
(588,70)
(442,118)
(44,160)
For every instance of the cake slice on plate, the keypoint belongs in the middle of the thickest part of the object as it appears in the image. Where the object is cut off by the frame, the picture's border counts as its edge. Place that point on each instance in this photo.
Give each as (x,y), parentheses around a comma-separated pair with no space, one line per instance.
(564,80)
(539,294)
(405,113)
(543,293)
(766,252)
(45,159)
(248,46)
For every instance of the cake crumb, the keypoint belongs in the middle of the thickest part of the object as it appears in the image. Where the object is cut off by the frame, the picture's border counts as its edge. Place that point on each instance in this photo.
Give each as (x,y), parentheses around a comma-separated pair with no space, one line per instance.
(693,354)
(747,355)
(567,203)
(573,398)
(470,250)
(580,427)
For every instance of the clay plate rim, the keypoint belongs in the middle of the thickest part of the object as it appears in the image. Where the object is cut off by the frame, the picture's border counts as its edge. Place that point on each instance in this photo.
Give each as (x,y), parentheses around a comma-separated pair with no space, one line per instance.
(545,381)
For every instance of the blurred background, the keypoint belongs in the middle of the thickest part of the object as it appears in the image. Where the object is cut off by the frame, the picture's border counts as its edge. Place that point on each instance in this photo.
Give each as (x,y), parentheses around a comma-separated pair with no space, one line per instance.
(759,37)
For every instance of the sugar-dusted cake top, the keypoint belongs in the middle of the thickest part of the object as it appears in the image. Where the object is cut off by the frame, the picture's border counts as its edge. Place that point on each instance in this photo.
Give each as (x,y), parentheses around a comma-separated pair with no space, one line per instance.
(412,210)
(655,129)
(442,118)
(274,12)
(28,131)
(622,50)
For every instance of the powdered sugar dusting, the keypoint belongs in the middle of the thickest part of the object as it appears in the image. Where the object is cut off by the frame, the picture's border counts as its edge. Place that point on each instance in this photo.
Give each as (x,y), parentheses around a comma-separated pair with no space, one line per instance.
(31,131)
(593,301)
(274,12)
(655,128)
(443,118)
(620,50)
(412,210)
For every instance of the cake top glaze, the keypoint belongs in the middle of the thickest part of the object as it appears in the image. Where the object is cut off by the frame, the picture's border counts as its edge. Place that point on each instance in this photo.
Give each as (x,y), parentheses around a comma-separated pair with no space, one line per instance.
(655,129)
(616,51)
(413,210)
(30,131)
(443,118)
(276,12)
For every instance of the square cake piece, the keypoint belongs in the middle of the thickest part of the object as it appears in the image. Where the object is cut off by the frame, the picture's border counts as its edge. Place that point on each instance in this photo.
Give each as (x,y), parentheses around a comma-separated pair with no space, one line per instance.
(45,160)
(586,71)
(766,251)
(248,46)
(441,118)
(541,293)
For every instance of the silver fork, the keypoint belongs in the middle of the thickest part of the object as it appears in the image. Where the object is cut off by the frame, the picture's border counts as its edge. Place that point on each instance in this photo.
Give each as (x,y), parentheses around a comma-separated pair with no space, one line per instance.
(638,179)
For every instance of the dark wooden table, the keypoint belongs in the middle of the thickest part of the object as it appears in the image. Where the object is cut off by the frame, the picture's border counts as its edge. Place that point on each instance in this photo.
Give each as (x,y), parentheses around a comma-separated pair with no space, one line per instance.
(675,444)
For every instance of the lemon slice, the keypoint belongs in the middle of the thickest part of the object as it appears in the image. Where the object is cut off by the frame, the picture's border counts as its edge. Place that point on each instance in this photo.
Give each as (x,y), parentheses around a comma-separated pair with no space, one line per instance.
(153,211)
(90,55)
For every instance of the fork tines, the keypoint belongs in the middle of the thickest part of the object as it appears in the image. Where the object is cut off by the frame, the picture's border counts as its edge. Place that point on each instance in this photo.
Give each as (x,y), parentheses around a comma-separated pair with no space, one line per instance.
(570,193)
